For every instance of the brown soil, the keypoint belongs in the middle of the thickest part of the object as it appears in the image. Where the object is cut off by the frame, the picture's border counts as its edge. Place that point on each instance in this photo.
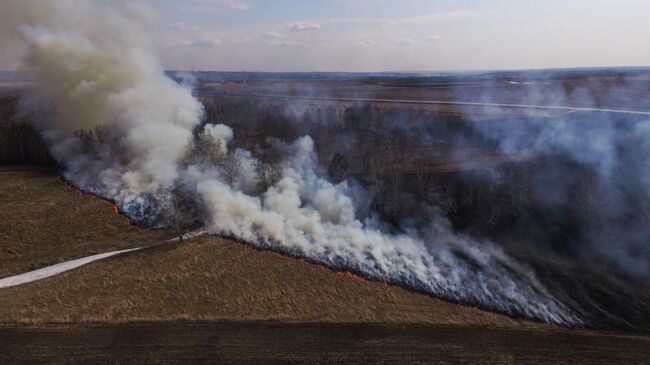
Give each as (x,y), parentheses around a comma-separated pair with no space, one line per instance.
(298,343)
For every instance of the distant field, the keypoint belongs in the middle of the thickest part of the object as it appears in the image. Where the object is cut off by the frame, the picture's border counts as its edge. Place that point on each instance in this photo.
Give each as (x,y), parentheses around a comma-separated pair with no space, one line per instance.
(347,90)
(585,90)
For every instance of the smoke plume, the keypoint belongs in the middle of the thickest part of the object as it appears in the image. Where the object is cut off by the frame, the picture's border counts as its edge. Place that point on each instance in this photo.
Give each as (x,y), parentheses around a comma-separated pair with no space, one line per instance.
(122,129)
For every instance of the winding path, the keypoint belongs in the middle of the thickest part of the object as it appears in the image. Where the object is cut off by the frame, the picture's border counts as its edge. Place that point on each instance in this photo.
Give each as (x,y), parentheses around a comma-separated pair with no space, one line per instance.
(62,267)
(56,269)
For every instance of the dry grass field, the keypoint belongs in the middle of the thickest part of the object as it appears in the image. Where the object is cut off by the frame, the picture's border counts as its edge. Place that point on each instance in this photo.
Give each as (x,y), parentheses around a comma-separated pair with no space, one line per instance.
(212,300)
(274,93)
(208,278)
(218,280)
(576,90)
(43,222)
(215,279)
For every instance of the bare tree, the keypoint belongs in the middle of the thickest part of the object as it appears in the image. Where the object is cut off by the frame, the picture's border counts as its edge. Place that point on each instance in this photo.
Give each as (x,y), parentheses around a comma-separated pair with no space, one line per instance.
(373,163)
(177,208)
(207,150)
(338,167)
(92,138)
(230,167)
(269,165)
(268,174)
(424,179)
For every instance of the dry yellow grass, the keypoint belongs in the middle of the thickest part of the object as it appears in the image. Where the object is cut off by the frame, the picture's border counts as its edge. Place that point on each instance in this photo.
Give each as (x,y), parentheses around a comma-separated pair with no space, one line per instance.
(43,222)
(183,300)
(208,278)
(215,279)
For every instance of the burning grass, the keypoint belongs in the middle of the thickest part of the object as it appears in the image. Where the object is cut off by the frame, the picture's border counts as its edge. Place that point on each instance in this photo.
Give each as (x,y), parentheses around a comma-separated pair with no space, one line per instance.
(208,278)
(214,279)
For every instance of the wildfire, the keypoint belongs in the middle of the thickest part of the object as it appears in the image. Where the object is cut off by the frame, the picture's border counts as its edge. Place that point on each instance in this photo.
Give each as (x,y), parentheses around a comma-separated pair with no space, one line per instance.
(117,211)
(348,274)
(351,275)
(74,188)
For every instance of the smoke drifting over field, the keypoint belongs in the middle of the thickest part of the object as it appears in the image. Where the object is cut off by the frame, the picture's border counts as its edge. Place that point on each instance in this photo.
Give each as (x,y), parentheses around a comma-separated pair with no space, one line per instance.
(144,144)
(593,173)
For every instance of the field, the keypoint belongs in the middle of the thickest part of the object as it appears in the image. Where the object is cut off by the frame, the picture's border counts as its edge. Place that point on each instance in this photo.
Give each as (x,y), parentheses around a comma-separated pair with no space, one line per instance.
(211,299)
(605,88)
(215,300)
(58,224)
(208,278)
(297,343)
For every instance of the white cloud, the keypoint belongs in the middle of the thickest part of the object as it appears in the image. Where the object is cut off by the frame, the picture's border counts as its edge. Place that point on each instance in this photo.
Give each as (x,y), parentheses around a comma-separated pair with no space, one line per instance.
(216,6)
(183,26)
(272,35)
(367,42)
(433,38)
(449,16)
(203,8)
(302,27)
(240,6)
(174,42)
(207,43)
(406,42)
(389,23)
(241,40)
(286,43)
(439,17)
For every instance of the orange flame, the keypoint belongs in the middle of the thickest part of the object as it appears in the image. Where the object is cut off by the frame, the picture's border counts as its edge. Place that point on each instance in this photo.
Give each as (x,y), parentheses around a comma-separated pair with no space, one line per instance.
(115,209)
(112,204)
(351,275)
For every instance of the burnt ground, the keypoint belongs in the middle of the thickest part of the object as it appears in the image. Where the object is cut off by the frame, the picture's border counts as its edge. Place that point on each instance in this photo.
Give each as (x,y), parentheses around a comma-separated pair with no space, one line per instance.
(298,343)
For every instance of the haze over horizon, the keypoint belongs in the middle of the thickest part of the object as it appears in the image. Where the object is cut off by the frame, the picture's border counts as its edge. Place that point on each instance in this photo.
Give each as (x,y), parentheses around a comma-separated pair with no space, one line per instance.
(383,35)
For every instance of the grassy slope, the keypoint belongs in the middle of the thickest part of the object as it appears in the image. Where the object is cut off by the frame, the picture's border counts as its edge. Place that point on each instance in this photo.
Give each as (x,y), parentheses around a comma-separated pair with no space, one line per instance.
(208,278)
(43,222)
(214,279)
(229,289)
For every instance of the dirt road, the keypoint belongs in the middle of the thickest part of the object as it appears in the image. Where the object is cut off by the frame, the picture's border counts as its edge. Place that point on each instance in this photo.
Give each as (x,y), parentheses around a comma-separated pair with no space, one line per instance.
(567,109)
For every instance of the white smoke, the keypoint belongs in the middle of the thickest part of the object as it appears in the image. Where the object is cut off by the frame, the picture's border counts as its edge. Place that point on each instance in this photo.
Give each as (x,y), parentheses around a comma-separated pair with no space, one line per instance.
(96,63)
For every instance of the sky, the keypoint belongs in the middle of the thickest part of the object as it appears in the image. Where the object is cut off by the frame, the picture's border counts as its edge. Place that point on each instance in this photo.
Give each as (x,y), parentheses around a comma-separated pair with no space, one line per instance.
(398,35)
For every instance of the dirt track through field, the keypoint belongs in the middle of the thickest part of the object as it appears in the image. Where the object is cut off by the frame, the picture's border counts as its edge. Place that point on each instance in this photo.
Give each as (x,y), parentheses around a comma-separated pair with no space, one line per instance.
(62,267)
(568,109)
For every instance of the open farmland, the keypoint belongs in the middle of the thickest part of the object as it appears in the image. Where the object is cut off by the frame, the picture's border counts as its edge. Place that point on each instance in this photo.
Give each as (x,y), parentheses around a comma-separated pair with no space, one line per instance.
(291,343)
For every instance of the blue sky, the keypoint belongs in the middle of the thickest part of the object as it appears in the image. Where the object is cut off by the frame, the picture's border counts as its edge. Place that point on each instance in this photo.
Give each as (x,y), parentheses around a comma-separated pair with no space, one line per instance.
(384,35)
(401,35)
